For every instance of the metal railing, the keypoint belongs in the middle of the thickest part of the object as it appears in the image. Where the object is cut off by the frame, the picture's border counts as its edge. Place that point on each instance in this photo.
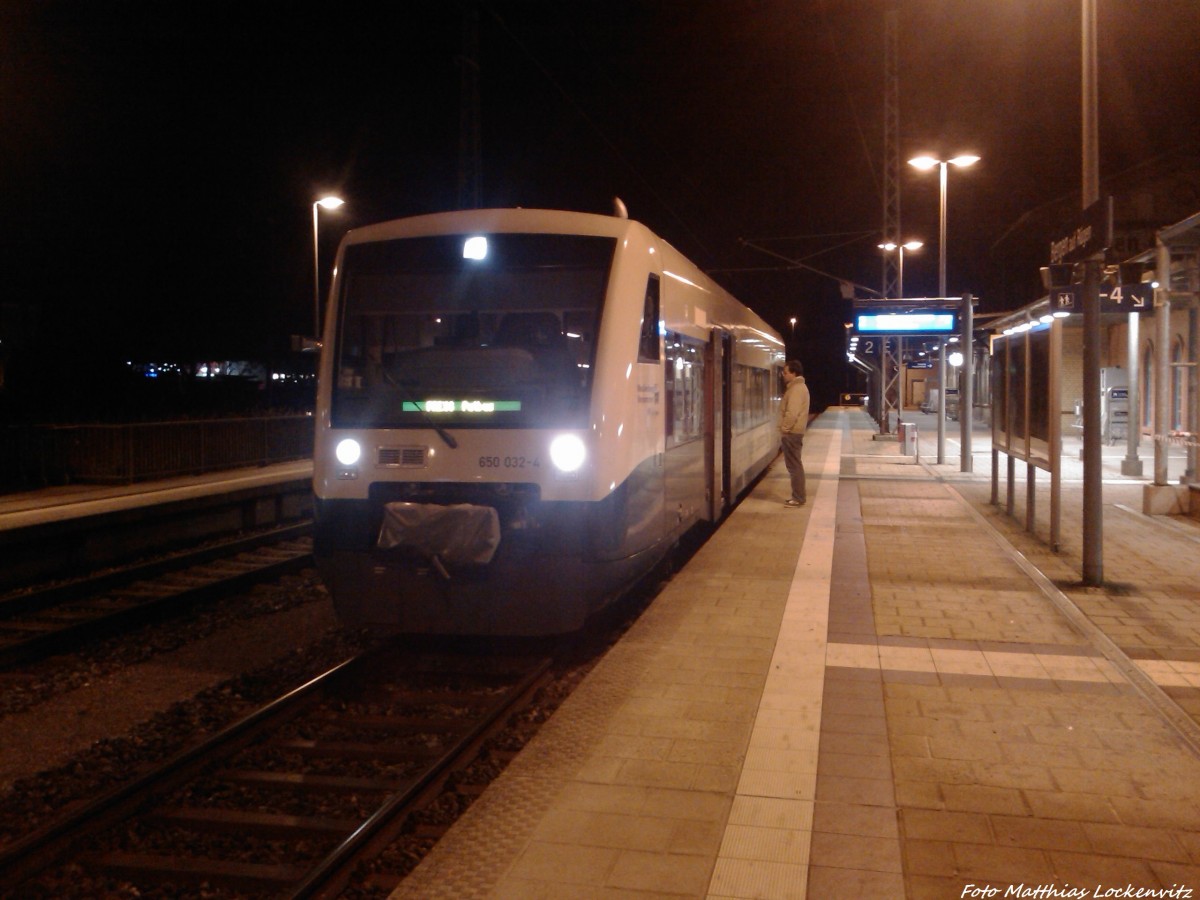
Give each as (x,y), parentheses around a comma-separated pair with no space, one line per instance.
(39,455)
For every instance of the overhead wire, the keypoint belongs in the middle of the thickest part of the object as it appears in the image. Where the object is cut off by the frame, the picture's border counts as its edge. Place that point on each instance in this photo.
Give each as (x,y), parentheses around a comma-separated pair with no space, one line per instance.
(840,68)
(578,107)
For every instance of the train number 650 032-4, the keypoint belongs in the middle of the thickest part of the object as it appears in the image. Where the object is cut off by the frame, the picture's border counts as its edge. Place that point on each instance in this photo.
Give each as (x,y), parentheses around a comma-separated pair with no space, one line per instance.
(507,462)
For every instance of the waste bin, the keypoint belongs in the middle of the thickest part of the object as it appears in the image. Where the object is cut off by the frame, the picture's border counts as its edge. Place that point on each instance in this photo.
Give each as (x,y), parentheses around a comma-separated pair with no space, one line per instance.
(908,438)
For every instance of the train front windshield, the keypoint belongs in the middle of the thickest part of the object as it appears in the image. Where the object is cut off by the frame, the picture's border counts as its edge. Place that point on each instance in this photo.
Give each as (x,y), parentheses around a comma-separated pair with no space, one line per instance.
(495,330)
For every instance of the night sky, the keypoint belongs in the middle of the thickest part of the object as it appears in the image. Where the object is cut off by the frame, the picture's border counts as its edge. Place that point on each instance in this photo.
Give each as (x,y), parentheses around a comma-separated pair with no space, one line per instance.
(158,160)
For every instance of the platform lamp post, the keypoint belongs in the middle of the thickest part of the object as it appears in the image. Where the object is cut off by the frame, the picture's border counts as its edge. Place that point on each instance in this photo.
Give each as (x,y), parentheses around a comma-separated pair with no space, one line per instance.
(330,203)
(892,246)
(925,163)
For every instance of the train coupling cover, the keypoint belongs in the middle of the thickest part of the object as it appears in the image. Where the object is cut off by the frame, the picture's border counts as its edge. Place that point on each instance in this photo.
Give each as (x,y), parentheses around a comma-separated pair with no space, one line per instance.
(455,535)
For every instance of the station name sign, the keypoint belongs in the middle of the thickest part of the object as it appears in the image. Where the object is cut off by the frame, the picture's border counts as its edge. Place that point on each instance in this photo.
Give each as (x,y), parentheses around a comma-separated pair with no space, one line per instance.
(1092,235)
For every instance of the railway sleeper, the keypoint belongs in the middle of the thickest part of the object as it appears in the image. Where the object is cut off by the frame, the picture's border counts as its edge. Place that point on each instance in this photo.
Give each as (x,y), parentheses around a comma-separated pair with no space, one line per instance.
(60,614)
(359,751)
(468,699)
(107,603)
(263,824)
(309,782)
(148,867)
(394,724)
(32,626)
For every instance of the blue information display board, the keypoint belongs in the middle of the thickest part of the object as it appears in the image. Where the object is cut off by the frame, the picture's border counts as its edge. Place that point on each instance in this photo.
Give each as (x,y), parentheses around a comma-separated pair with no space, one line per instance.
(898,322)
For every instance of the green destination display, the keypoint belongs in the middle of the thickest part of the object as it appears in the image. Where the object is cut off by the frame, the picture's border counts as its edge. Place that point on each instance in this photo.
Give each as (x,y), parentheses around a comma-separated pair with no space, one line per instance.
(480,407)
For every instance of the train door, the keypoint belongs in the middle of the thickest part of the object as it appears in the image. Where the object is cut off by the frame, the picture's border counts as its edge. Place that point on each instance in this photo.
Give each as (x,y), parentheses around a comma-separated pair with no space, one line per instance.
(718,424)
(654,409)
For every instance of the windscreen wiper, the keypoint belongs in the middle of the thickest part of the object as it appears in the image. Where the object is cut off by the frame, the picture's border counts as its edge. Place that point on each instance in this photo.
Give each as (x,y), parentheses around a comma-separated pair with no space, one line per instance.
(419,407)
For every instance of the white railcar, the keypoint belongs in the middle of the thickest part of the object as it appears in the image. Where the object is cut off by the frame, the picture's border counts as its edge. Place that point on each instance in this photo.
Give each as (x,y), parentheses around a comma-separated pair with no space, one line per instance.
(522,411)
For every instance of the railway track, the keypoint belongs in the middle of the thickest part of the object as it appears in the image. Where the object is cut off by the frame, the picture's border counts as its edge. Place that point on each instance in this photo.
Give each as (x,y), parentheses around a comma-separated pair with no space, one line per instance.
(51,619)
(286,801)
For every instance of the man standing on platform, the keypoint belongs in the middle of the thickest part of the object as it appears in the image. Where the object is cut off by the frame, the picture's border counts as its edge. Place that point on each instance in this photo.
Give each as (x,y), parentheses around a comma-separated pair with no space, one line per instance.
(793,420)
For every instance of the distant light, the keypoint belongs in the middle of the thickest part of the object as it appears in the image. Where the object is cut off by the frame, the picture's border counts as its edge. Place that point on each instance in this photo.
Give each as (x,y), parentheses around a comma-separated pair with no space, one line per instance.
(1060,314)
(928,162)
(330,202)
(955,359)
(475,248)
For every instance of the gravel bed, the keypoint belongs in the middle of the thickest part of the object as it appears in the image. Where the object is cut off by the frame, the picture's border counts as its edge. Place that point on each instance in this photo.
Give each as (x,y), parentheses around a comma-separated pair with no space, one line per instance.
(172,731)
(36,683)
(34,801)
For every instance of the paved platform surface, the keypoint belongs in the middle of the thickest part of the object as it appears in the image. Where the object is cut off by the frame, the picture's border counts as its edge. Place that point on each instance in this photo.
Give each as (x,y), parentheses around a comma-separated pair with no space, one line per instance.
(893,692)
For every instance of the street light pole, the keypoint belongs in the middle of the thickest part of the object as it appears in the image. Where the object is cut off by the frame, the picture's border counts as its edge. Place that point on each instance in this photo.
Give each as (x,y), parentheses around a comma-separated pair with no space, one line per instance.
(1093,508)
(326,203)
(889,247)
(907,245)
(941,415)
(925,163)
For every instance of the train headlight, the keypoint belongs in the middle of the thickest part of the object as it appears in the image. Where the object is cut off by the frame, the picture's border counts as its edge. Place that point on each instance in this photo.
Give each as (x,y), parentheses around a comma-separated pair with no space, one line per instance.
(348,451)
(567,452)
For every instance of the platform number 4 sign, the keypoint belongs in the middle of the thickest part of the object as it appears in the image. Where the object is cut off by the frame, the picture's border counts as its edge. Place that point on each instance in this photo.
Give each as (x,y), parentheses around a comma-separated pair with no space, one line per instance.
(1127,298)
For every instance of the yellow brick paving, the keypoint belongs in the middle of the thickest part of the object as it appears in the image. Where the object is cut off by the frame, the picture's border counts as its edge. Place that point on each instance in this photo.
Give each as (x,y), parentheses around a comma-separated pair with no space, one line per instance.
(926,719)
(1044,767)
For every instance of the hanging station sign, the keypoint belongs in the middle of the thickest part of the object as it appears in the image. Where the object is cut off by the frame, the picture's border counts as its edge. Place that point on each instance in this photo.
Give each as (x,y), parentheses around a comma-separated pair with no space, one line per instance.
(1091,235)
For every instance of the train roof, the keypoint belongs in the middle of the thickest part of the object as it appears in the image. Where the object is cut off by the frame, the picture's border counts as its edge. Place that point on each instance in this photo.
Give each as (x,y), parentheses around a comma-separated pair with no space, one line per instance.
(518,220)
(551,221)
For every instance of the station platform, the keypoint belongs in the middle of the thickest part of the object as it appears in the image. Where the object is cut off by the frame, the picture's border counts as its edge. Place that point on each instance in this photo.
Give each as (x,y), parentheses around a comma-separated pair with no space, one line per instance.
(894,691)
(78,501)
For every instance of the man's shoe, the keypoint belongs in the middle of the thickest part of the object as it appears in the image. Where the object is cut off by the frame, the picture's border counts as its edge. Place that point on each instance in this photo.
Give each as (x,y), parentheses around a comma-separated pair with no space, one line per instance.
(794,503)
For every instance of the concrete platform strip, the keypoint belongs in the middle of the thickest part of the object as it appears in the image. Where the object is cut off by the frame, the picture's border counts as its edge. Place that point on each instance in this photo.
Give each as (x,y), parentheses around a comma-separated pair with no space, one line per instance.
(627,790)
(766,848)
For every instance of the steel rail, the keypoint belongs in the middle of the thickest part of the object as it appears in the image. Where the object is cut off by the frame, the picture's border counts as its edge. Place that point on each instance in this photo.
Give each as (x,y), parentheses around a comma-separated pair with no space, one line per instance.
(71,633)
(338,863)
(33,853)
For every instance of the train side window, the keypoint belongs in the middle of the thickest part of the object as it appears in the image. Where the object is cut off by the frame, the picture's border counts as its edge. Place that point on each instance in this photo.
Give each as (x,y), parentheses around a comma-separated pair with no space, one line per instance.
(648,343)
(683,380)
